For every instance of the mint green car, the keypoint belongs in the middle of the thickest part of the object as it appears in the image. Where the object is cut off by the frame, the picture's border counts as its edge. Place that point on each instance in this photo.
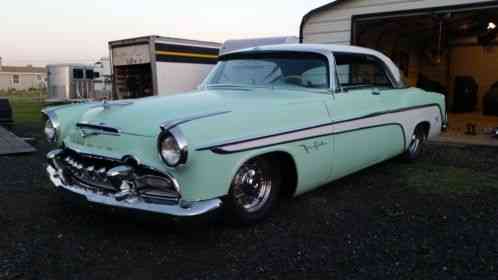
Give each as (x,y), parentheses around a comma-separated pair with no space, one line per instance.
(267,122)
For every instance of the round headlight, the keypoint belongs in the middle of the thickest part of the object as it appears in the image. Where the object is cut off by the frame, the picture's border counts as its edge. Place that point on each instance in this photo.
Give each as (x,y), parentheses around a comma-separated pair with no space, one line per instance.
(50,131)
(173,147)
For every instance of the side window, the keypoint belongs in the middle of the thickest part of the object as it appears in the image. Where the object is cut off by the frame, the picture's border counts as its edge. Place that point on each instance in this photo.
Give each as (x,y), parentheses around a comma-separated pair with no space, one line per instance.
(358,71)
(316,77)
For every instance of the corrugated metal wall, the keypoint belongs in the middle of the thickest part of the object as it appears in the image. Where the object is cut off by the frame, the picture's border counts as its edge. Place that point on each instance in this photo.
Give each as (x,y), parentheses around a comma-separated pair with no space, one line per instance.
(333,26)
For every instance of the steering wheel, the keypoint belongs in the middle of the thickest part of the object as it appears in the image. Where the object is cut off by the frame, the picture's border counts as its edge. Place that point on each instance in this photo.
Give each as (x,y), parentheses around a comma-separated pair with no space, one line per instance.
(294,80)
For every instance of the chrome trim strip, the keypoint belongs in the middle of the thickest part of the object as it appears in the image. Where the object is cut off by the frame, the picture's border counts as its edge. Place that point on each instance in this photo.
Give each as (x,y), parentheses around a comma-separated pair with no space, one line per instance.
(181,209)
(326,129)
(172,123)
(100,127)
(251,138)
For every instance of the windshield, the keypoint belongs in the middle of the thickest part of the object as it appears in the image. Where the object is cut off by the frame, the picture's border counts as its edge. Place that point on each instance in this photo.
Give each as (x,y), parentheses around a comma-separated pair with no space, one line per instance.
(290,70)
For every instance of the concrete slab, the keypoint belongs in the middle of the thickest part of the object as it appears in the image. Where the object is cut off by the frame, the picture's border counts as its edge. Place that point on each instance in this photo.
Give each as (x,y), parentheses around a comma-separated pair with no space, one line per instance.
(10,144)
(486,140)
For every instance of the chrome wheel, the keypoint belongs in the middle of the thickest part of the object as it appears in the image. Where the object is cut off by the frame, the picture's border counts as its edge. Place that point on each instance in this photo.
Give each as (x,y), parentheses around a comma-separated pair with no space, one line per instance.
(252,186)
(414,145)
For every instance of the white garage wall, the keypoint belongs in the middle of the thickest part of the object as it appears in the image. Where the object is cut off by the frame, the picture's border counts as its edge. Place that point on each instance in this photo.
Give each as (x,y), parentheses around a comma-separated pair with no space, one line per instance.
(333,25)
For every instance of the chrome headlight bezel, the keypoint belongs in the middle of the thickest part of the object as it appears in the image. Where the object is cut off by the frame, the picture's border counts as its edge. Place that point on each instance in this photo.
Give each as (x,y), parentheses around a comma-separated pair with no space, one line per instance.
(181,150)
(51,128)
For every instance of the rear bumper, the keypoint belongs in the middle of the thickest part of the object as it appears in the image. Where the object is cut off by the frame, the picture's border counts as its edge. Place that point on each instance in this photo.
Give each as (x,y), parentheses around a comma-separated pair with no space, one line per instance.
(175,208)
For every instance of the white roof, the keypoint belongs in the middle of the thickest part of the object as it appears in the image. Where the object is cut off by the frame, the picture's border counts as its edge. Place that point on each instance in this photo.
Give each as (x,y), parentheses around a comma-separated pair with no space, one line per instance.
(327,49)
(239,44)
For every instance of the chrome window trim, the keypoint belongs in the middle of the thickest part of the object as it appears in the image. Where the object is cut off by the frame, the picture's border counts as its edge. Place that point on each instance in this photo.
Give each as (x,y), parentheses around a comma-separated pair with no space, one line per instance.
(170,124)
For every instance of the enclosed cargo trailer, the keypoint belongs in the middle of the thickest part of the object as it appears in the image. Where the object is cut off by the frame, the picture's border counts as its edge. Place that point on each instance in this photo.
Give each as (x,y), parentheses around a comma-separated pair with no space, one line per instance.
(68,82)
(155,65)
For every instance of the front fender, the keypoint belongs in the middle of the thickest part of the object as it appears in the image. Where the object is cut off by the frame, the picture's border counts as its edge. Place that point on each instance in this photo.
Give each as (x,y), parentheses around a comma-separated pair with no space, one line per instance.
(66,116)
(209,174)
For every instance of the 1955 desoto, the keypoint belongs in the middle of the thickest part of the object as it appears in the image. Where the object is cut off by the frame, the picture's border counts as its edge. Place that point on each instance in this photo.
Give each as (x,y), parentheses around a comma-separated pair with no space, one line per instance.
(266,122)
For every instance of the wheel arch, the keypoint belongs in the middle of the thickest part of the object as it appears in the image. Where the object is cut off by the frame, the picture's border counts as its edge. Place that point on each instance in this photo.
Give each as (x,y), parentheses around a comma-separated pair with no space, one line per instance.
(426,126)
(289,171)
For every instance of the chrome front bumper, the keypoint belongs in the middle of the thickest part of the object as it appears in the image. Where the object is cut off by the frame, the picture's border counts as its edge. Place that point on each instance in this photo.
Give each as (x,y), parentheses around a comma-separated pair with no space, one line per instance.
(180,208)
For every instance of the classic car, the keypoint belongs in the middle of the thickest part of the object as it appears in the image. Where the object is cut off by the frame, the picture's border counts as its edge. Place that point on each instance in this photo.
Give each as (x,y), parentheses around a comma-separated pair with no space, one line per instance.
(267,122)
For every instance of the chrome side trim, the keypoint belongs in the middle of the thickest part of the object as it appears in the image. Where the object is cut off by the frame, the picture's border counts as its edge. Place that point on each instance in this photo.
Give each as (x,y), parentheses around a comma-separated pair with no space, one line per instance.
(181,208)
(378,119)
(252,138)
(172,123)
(88,129)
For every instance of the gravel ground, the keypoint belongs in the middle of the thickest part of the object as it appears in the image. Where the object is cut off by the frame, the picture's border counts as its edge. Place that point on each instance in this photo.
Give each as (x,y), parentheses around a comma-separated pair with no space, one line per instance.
(436,219)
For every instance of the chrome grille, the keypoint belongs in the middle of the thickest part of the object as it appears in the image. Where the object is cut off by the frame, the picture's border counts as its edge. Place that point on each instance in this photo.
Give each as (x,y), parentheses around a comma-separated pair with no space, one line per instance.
(91,172)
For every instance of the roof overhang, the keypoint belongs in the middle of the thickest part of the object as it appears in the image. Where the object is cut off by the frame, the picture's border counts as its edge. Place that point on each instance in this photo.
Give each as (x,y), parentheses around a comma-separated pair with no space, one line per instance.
(313,12)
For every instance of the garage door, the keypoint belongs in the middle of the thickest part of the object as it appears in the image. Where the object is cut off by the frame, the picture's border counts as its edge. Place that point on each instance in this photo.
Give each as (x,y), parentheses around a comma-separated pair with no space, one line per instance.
(451,50)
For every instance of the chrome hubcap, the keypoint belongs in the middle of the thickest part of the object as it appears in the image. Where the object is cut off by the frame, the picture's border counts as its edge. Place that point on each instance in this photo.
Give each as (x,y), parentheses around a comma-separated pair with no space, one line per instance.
(416,142)
(414,145)
(252,187)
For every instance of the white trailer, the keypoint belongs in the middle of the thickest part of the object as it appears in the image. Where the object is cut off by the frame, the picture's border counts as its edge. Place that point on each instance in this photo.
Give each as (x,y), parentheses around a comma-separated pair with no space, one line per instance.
(155,65)
(103,78)
(67,82)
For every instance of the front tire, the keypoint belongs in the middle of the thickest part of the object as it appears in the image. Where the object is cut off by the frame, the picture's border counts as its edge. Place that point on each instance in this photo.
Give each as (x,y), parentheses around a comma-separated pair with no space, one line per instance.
(253,192)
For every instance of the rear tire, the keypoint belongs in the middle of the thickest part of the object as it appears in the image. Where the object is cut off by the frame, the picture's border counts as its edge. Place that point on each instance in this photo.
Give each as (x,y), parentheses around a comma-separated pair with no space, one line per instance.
(417,144)
(253,192)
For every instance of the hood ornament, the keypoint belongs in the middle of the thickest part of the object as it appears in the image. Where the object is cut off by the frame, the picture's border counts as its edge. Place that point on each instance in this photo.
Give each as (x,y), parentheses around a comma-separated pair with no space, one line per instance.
(108,105)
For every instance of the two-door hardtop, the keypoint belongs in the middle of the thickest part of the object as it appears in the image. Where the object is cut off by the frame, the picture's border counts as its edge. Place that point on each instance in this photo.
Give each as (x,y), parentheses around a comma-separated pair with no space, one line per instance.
(267,121)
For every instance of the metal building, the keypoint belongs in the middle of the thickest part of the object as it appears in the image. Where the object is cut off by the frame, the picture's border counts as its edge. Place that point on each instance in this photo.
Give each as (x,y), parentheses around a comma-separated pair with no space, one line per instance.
(447,46)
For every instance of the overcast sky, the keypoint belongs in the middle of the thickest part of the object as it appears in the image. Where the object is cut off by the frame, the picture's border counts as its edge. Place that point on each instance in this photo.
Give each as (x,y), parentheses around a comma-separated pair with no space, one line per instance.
(39,32)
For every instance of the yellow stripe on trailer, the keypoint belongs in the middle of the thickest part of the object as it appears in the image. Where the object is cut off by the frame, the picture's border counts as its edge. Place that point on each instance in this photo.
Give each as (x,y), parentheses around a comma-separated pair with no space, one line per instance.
(182,54)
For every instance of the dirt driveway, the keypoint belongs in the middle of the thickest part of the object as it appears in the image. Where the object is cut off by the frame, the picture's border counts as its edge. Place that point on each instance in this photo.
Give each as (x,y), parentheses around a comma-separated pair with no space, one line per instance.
(436,219)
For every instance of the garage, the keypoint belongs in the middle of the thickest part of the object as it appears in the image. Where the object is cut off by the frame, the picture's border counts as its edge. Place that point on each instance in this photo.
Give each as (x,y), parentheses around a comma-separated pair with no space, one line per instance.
(445,46)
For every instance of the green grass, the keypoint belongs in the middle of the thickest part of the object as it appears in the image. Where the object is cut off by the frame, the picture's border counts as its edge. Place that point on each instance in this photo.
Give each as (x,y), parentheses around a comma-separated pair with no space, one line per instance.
(26,109)
(26,105)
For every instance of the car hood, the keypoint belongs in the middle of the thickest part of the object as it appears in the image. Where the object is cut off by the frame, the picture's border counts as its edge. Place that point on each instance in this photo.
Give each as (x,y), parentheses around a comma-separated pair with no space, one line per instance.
(145,116)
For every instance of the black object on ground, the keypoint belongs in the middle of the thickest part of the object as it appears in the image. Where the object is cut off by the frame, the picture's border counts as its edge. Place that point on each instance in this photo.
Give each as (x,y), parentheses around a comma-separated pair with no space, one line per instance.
(465,94)
(5,112)
(427,84)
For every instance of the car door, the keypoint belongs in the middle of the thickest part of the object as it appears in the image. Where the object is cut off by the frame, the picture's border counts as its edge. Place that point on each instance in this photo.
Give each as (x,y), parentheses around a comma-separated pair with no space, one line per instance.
(362,134)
